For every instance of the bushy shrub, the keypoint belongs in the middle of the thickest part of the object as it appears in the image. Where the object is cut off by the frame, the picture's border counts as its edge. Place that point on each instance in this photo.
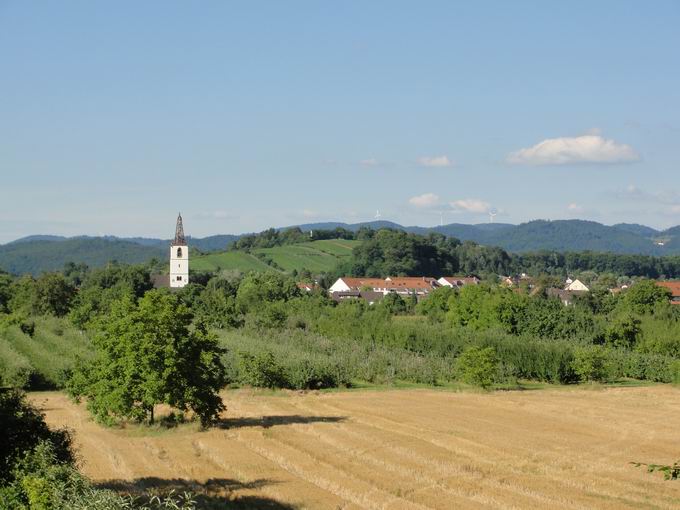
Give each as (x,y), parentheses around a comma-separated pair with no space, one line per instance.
(314,375)
(261,370)
(675,372)
(623,332)
(478,366)
(42,481)
(592,364)
(643,366)
(15,369)
(23,428)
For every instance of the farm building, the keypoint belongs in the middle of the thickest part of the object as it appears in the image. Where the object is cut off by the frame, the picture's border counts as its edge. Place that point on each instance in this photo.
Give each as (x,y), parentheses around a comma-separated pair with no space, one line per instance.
(406,285)
(457,281)
(576,285)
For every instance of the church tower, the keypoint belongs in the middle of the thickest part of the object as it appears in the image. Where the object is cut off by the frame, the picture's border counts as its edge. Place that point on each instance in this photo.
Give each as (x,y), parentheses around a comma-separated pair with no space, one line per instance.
(179,257)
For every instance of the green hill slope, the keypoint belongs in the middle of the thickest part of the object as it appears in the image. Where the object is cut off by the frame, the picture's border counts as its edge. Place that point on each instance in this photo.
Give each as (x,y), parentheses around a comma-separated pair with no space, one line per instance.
(315,256)
(228,260)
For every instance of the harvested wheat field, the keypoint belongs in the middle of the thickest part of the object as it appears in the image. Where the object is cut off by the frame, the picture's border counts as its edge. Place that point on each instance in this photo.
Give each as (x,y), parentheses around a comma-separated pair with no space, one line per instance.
(561,448)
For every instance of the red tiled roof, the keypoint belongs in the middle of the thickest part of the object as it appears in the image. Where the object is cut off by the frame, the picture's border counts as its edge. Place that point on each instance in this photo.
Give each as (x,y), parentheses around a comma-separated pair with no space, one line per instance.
(673,286)
(466,280)
(356,283)
(396,282)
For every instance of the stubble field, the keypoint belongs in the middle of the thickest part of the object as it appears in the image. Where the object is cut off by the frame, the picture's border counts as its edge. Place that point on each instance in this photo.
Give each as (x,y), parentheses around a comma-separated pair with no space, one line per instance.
(399,449)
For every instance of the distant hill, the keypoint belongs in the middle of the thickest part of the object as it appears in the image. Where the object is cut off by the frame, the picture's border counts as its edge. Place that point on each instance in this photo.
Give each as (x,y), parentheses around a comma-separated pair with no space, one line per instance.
(38,256)
(572,235)
(561,235)
(637,229)
(35,254)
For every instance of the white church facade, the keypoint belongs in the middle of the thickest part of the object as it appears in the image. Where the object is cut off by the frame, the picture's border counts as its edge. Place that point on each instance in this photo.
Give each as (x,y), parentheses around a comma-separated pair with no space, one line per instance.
(179,257)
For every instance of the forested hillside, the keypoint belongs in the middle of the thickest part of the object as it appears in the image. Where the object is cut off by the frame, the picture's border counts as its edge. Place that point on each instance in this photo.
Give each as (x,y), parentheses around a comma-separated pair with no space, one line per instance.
(35,254)
(35,257)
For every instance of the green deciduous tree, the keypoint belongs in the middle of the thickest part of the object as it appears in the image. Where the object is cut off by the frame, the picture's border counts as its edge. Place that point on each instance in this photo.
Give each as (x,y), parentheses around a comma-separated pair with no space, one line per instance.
(147,354)
(53,295)
(5,291)
(644,297)
(623,332)
(478,366)
(258,289)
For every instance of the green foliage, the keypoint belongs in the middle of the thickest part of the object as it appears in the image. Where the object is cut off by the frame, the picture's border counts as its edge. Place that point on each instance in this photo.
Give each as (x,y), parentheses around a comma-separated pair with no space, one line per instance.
(15,369)
(43,481)
(478,366)
(46,357)
(272,237)
(261,370)
(660,335)
(39,256)
(5,292)
(592,364)
(300,359)
(23,428)
(147,355)
(216,304)
(396,253)
(436,304)
(53,295)
(670,471)
(623,332)
(103,287)
(644,297)
(259,289)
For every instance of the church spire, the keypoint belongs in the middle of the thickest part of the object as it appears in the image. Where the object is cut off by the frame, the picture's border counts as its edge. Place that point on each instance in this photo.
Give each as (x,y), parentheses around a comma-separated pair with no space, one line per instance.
(179,232)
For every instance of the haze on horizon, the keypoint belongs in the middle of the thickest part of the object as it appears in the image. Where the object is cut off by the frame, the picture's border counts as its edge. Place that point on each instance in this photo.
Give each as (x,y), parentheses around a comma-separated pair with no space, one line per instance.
(251,115)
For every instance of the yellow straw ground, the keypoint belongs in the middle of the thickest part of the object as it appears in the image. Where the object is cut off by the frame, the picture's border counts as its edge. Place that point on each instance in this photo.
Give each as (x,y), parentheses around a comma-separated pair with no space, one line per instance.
(401,449)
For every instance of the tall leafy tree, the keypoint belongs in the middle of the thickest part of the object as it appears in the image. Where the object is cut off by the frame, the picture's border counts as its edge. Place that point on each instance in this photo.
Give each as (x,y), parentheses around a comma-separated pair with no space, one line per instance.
(53,295)
(5,291)
(147,354)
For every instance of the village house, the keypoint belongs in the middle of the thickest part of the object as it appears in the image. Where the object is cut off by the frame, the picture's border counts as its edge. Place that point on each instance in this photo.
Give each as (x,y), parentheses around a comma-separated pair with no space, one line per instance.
(566,296)
(508,281)
(674,287)
(576,285)
(457,281)
(403,285)
(367,295)
(307,287)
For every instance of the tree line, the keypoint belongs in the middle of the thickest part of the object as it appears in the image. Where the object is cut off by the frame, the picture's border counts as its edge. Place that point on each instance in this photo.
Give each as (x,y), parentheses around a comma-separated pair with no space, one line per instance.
(386,252)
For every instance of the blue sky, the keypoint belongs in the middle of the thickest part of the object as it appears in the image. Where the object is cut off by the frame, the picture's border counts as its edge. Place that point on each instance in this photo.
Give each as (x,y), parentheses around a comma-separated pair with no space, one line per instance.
(245,115)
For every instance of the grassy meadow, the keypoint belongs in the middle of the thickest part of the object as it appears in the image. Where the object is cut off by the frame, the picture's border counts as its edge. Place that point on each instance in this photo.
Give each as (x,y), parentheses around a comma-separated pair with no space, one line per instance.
(315,256)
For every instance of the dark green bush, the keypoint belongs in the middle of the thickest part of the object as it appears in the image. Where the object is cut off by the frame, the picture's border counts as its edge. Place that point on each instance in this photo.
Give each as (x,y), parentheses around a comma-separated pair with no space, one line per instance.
(261,370)
(478,366)
(592,364)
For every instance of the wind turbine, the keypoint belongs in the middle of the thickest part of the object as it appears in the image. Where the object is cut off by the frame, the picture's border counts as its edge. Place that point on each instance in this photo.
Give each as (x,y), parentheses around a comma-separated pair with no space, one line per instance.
(377,215)
(492,215)
(441,218)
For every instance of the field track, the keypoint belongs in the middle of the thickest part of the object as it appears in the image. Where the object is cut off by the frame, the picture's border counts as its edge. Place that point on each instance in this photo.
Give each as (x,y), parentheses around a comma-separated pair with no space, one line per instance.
(563,448)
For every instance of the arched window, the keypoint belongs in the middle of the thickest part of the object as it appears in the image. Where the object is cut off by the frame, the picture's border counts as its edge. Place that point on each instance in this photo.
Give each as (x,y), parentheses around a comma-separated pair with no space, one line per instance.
(179,253)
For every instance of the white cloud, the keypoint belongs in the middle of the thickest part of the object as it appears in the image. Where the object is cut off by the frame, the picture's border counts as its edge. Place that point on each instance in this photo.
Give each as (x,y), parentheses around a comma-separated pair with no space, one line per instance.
(424,200)
(472,205)
(573,207)
(435,161)
(590,148)
(369,162)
